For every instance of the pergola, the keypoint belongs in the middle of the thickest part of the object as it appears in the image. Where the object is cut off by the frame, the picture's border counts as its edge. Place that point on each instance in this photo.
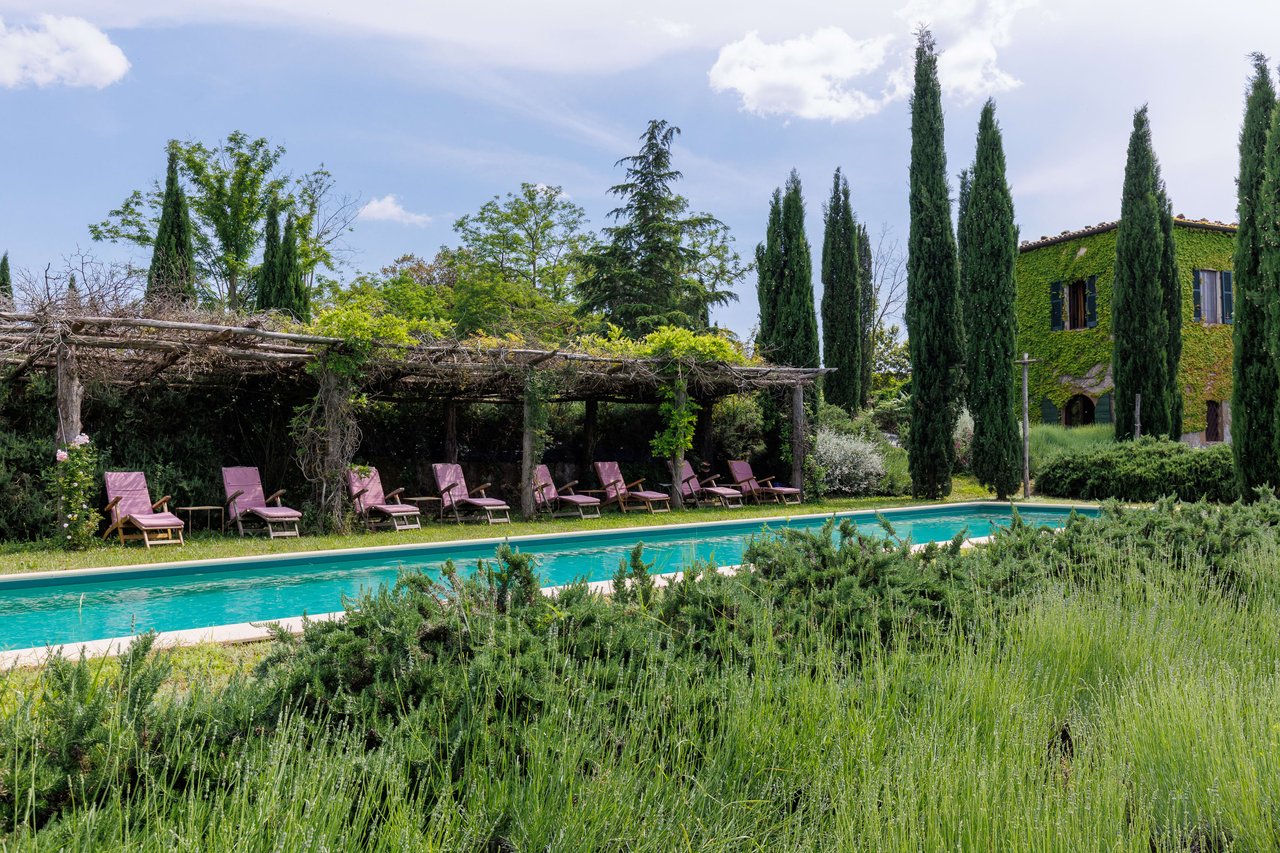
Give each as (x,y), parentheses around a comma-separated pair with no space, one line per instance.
(131,350)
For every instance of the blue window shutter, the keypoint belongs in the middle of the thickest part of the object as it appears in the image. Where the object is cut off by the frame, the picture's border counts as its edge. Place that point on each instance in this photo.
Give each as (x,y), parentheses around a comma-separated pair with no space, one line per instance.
(1228,309)
(1195,294)
(1049,413)
(1091,302)
(1102,410)
(1055,306)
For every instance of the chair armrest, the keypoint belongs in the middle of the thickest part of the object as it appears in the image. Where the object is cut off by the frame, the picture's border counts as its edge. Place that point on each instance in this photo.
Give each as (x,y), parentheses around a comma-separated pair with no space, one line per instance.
(480,488)
(112,505)
(639,482)
(710,480)
(355,496)
(567,488)
(393,496)
(163,503)
(766,481)
(275,496)
(232,497)
(448,488)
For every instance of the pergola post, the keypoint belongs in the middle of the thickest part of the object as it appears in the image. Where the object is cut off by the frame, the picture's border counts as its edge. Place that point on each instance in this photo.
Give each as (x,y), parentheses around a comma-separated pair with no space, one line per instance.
(590,418)
(677,455)
(70,393)
(451,432)
(527,462)
(799,437)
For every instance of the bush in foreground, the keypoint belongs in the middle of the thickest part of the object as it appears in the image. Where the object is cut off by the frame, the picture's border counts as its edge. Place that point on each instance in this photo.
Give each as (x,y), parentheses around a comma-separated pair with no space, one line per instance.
(1144,470)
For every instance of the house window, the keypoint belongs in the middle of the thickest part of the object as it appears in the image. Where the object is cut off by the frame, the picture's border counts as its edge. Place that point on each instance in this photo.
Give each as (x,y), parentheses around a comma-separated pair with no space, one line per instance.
(1076,312)
(1073,304)
(1213,422)
(1211,295)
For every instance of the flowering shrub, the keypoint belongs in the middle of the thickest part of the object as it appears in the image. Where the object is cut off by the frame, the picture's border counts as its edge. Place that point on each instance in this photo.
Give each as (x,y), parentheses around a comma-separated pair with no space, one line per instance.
(850,465)
(962,439)
(74,484)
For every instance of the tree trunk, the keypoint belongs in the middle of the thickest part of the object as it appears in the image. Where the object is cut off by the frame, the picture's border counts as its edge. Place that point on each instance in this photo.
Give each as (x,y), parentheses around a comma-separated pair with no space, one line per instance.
(451,432)
(70,394)
(799,439)
(590,417)
(677,456)
(527,462)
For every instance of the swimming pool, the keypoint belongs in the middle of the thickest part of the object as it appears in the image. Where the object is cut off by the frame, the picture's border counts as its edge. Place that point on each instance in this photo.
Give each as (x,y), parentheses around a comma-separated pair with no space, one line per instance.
(66,608)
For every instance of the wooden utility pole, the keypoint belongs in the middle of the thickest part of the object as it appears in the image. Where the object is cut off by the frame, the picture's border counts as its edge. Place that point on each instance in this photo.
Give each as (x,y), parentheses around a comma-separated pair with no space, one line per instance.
(527,462)
(798,438)
(1026,363)
(1137,416)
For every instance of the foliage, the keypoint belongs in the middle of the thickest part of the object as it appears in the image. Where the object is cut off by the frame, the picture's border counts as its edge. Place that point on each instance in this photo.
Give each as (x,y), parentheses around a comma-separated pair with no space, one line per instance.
(897,473)
(6,278)
(73,486)
(789,327)
(988,247)
(651,269)
(866,310)
(679,416)
(842,293)
(737,427)
(172,274)
(850,465)
(1269,255)
(28,418)
(294,298)
(533,237)
(1171,292)
(270,288)
(1145,470)
(935,327)
(1139,323)
(962,441)
(1255,426)
(1051,440)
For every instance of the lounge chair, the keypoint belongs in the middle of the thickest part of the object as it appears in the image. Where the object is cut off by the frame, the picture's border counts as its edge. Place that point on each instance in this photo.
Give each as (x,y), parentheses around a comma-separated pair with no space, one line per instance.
(376,508)
(135,516)
(461,503)
(245,503)
(696,491)
(561,501)
(760,490)
(626,495)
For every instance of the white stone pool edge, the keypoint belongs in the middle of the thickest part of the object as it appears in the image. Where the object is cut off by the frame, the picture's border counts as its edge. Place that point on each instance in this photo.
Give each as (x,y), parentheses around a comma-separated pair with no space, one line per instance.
(252,632)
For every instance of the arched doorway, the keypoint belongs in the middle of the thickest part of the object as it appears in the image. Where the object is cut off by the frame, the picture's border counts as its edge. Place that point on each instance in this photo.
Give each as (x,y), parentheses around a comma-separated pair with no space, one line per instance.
(1078,411)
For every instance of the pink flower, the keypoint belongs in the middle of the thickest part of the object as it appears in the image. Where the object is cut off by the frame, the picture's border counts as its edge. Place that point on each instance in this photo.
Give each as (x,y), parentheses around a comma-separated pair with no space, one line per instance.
(62,455)
(80,440)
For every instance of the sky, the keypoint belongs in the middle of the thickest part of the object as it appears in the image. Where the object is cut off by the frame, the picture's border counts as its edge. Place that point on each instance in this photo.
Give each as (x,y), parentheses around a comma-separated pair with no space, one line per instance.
(424,110)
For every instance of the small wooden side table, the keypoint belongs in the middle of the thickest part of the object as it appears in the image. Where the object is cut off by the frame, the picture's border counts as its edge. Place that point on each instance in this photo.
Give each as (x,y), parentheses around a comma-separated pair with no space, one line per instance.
(208,510)
(424,501)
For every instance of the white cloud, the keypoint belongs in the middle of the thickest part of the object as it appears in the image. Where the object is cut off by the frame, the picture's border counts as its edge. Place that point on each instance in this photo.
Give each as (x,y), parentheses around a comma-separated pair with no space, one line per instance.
(59,51)
(970,35)
(807,76)
(389,209)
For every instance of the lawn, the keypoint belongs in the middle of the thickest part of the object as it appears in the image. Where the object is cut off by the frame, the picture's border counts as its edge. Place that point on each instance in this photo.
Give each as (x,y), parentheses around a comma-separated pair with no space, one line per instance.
(32,557)
(1115,686)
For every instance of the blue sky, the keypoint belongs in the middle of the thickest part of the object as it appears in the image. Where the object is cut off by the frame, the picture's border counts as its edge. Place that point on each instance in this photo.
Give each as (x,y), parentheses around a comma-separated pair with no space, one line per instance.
(443,106)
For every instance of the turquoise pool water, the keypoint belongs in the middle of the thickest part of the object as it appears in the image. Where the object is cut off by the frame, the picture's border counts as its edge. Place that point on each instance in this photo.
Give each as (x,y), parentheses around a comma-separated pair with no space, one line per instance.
(37,612)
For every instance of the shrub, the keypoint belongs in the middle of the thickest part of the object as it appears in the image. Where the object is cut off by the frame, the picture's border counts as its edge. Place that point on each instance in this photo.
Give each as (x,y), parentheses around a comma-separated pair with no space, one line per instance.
(73,483)
(852,465)
(962,439)
(1051,440)
(737,426)
(1143,470)
(897,473)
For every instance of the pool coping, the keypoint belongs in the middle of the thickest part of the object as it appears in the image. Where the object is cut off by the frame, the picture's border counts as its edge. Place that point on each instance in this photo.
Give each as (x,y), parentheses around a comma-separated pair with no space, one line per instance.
(26,578)
(255,632)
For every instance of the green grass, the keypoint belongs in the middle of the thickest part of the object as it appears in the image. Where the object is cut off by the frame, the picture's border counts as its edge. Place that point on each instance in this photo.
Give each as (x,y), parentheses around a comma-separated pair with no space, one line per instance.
(34,557)
(1050,440)
(1123,694)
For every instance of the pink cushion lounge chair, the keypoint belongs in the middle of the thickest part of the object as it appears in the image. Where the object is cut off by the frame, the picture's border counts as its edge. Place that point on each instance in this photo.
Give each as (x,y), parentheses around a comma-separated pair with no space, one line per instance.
(762,489)
(626,495)
(135,516)
(379,509)
(245,503)
(561,501)
(695,491)
(461,503)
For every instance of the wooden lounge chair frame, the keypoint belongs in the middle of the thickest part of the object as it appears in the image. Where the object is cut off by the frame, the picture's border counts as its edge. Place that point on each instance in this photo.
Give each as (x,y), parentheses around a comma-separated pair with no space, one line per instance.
(275,528)
(148,537)
(548,499)
(372,516)
(707,489)
(456,496)
(764,487)
(624,498)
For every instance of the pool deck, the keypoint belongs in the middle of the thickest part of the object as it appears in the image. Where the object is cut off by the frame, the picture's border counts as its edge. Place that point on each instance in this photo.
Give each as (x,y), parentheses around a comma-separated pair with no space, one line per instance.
(249,632)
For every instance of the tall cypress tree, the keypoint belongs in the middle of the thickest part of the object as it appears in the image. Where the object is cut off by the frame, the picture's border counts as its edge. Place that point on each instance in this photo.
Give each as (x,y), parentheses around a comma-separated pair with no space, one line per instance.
(1255,429)
(841,300)
(1140,324)
(867,310)
(934,323)
(1171,288)
(269,285)
(172,274)
(989,244)
(1269,257)
(290,273)
(790,326)
(6,281)
(768,264)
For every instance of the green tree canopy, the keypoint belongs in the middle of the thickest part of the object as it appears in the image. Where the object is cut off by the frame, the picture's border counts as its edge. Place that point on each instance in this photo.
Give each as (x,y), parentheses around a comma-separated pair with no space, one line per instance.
(270,289)
(789,335)
(6,278)
(172,274)
(842,326)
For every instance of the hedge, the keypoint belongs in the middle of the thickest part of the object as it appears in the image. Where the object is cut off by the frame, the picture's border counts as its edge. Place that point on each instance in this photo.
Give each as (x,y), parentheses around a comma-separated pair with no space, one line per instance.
(1143,470)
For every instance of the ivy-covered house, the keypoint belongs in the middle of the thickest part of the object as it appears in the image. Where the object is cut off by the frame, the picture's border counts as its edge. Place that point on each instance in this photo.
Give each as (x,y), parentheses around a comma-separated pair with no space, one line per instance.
(1064,320)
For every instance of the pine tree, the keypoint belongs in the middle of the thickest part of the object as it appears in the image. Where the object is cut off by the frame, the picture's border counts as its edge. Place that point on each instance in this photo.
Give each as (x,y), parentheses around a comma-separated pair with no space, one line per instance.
(933,314)
(1171,288)
(1255,428)
(172,275)
(768,265)
(988,243)
(841,300)
(1140,323)
(269,286)
(6,281)
(867,311)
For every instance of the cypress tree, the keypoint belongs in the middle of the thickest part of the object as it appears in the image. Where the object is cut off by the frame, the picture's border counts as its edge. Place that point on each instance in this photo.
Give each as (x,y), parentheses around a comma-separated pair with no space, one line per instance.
(768,263)
(1256,385)
(1269,264)
(290,273)
(269,286)
(795,334)
(867,311)
(933,314)
(1171,288)
(841,300)
(171,276)
(988,242)
(6,281)
(1140,324)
